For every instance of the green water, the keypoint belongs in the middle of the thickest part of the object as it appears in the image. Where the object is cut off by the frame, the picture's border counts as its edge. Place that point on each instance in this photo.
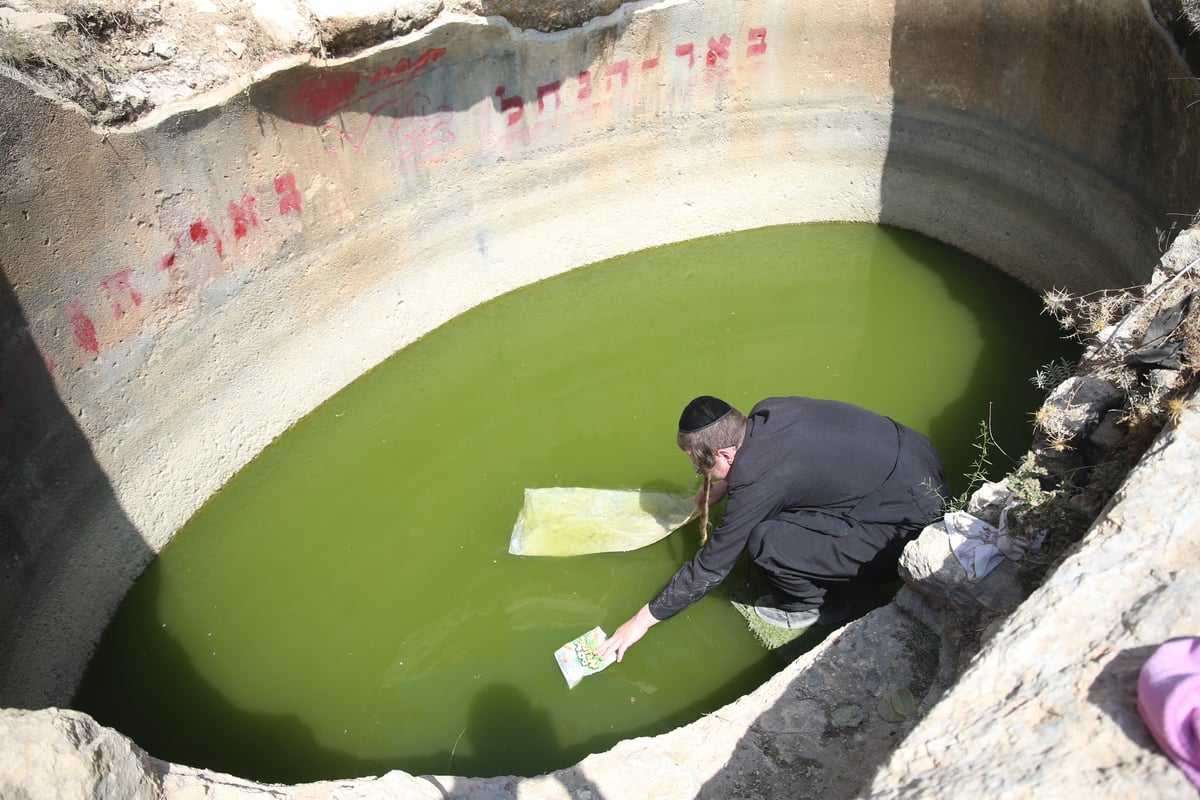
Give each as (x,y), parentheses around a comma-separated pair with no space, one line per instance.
(346,605)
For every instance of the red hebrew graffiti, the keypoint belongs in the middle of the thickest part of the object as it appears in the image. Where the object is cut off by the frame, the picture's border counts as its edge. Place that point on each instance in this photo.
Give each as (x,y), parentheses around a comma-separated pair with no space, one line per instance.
(509,104)
(85,329)
(243,216)
(649,63)
(688,50)
(585,86)
(549,88)
(413,135)
(118,286)
(289,195)
(202,231)
(758,42)
(320,97)
(405,69)
(122,295)
(409,129)
(717,49)
(619,68)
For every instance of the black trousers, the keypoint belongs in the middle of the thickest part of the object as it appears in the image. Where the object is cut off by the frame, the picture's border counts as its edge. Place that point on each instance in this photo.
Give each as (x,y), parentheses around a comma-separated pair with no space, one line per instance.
(806,565)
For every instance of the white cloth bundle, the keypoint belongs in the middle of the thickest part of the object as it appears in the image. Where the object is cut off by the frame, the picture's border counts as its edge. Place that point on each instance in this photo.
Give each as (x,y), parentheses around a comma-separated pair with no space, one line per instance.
(980,547)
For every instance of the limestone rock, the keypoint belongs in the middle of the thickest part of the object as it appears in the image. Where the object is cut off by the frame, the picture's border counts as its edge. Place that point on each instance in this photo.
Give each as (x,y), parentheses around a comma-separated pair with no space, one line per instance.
(1183,251)
(347,26)
(66,754)
(282,21)
(989,500)
(1055,686)
(16,21)
(1071,413)
(931,568)
(1076,407)
(544,15)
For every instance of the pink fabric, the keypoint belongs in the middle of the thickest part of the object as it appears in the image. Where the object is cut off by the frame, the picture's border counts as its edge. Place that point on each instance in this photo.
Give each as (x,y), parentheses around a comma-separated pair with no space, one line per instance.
(1169,702)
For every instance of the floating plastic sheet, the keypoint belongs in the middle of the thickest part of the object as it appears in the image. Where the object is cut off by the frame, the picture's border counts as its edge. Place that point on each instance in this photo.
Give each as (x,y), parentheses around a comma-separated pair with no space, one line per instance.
(575,521)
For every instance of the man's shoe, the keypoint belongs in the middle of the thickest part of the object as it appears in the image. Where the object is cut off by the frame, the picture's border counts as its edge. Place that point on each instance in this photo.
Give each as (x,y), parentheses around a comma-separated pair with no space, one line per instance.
(793,616)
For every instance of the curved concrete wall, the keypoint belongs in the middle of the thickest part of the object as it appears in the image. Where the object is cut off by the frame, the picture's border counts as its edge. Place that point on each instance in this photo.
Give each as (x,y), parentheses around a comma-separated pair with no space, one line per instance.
(173,297)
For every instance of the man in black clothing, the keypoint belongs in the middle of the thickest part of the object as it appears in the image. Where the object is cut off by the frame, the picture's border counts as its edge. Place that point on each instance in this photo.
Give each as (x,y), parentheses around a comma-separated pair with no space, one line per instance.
(822,493)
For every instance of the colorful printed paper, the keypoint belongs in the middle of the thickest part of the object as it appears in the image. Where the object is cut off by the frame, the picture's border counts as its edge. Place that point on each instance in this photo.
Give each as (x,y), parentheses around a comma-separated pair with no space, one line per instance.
(577,658)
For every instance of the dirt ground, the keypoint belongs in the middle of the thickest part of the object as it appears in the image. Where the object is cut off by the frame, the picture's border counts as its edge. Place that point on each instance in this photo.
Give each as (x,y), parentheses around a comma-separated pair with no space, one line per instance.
(117,60)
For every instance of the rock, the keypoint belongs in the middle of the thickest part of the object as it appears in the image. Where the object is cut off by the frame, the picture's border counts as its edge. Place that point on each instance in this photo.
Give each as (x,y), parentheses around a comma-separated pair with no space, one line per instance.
(1048,706)
(1113,339)
(16,21)
(283,23)
(546,15)
(1106,437)
(989,500)
(348,26)
(1183,251)
(1076,406)
(1073,410)
(65,754)
(931,568)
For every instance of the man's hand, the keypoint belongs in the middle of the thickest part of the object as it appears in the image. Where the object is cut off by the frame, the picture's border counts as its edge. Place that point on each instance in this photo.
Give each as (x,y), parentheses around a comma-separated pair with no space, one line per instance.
(626,635)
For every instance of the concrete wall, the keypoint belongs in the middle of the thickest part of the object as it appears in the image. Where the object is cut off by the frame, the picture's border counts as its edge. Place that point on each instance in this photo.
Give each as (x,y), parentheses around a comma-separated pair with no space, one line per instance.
(172,297)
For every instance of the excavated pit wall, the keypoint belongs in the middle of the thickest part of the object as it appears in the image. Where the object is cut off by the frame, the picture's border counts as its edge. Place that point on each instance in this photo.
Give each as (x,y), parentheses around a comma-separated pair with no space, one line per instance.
(175,295)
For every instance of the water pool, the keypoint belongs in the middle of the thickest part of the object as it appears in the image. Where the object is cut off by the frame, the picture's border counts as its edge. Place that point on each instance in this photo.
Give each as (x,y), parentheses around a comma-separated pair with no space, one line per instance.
(346,604)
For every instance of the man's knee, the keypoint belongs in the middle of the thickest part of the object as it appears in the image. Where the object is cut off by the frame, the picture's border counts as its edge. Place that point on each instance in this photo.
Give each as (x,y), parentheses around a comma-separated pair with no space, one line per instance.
(759,545)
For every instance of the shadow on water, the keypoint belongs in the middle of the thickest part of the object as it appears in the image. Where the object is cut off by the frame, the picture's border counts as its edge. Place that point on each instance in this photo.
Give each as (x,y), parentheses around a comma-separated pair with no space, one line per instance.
(215,733)
(505,732)
(992,393)
(67,549)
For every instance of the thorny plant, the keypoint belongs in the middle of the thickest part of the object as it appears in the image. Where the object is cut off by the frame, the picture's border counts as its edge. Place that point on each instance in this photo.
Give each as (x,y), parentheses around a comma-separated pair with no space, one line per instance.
(1062,501)
(1090,314)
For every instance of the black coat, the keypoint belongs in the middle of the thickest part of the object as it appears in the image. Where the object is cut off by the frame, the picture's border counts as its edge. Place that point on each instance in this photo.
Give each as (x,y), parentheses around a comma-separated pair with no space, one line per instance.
(825,466)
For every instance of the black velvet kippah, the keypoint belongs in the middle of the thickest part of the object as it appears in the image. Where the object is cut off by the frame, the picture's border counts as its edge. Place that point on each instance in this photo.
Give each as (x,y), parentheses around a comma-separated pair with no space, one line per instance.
(702,412)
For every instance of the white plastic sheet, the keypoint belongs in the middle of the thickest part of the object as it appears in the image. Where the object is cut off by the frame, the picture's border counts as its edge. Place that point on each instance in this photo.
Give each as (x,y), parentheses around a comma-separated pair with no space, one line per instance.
(576,521)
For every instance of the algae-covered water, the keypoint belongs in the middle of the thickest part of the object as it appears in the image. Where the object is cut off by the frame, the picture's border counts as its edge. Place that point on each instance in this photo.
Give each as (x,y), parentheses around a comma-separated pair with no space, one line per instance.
(346,605)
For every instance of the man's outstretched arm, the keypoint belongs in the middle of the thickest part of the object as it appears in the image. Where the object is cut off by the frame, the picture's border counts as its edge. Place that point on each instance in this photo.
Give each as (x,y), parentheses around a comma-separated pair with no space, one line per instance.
(630,632)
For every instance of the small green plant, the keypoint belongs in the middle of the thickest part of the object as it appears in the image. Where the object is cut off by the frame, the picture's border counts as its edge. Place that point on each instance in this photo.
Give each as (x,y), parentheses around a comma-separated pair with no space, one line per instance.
(1051,375)
(980,467)
(977,473)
